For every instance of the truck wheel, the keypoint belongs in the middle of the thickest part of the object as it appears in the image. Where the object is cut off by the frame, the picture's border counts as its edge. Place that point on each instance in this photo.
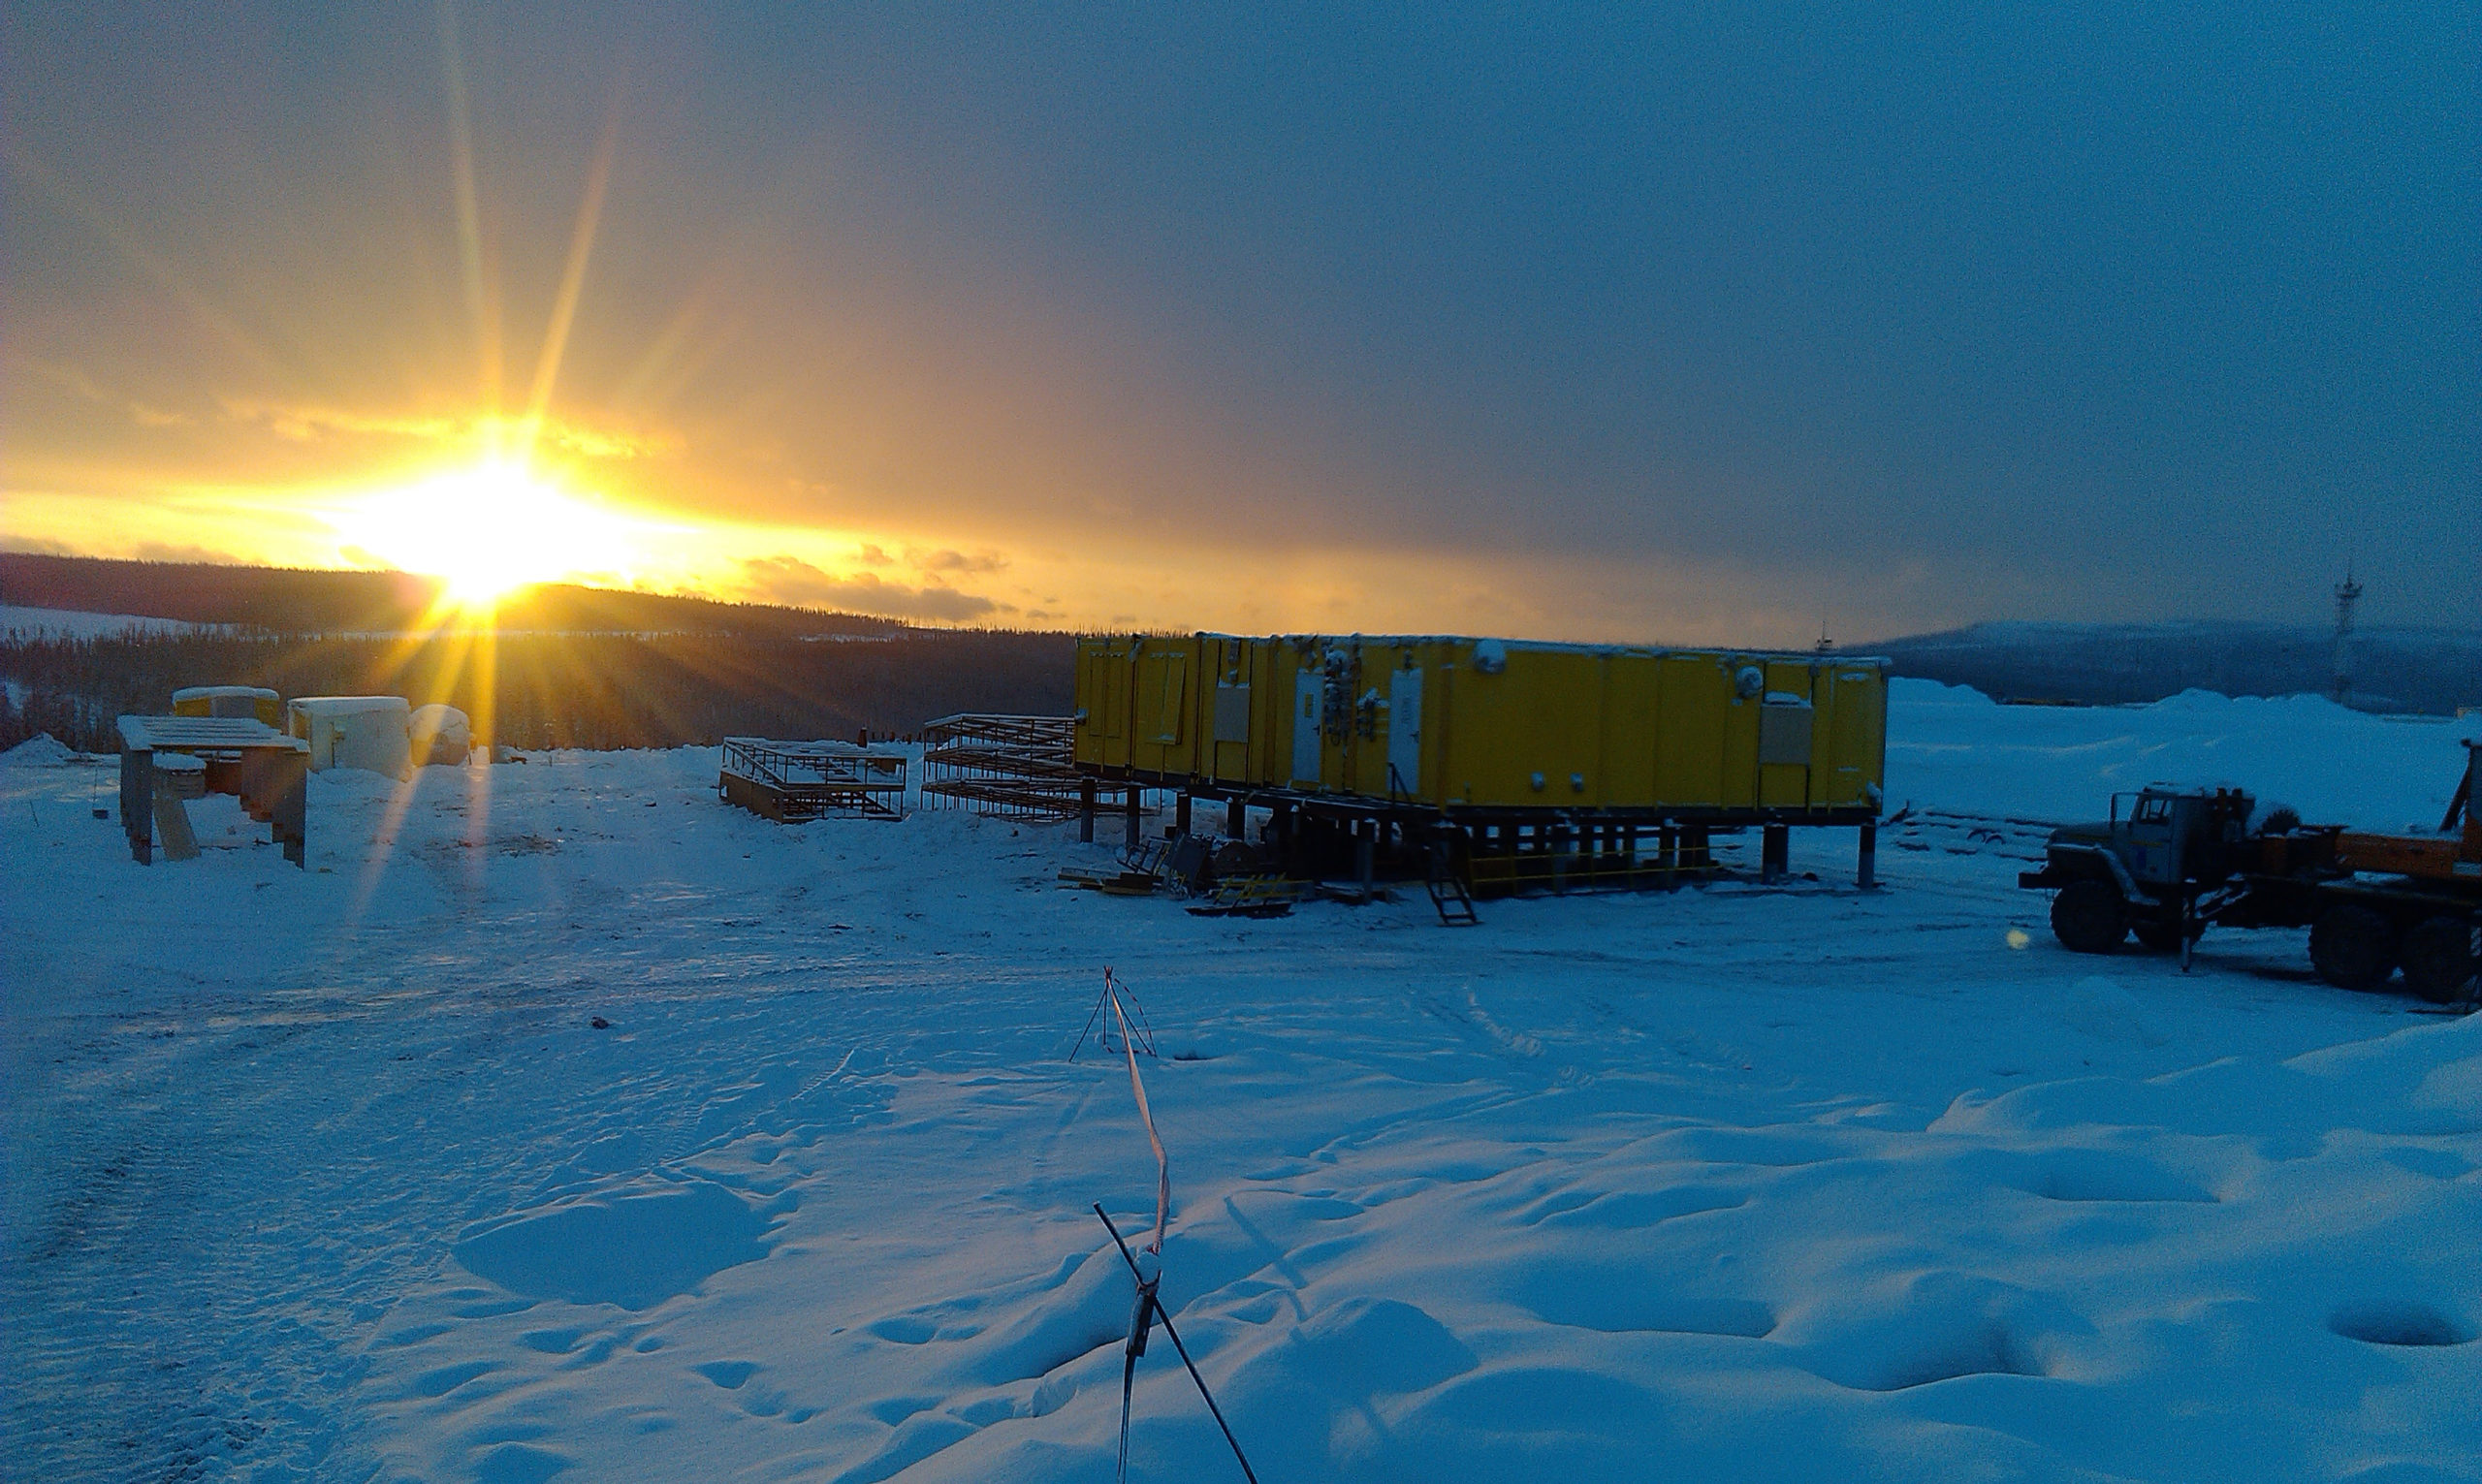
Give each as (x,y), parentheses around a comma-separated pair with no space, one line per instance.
(2089,917)
(2438,960)
(2352,948)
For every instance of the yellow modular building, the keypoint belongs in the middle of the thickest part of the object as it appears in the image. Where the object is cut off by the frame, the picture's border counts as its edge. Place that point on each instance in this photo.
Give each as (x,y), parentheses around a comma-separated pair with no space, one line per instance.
(252,702)
(1484,728)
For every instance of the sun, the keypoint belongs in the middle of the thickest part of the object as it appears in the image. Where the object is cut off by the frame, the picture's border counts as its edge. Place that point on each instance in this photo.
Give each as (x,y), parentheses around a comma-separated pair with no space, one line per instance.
(489,529)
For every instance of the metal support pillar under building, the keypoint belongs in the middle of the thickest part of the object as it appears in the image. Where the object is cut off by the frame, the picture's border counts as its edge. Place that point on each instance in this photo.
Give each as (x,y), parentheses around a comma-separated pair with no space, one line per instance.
(1085,812)
(1774,853)
(1135,796)
(1867,876)
(1181,812)
(1236,817)
(1365,854)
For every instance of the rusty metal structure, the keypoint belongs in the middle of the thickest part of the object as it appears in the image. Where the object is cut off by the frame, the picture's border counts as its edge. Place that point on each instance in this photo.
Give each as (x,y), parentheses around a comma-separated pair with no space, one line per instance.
(792,782)
(1005,766)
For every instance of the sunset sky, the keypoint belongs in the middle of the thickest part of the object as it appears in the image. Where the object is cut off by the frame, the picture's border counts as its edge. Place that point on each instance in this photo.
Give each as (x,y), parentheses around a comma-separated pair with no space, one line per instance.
(1692,323)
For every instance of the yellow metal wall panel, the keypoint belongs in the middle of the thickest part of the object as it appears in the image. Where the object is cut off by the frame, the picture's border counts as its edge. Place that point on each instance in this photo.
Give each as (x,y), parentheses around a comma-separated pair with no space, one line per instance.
(265,708)
(1740,736)
(1103,690)
(1695,691)
(1366,728)
(1225,696)
(1787,677)
(1119,685)
(1822,699)
(1181,733)
(1603,727)
(1162,734)
(1783,786)
(1529,736)
(1373,728)
(1094,662)
(1857,749)
(1270,695)
(1786,735)
(1632,721)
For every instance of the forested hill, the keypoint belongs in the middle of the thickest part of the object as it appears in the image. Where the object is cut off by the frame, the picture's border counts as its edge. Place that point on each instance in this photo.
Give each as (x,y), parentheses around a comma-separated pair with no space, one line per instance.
(570,667)
(301,601)
(2409,669)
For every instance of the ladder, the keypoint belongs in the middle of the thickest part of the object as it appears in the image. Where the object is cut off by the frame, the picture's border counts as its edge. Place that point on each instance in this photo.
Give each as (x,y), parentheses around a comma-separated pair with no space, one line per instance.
(1455,905)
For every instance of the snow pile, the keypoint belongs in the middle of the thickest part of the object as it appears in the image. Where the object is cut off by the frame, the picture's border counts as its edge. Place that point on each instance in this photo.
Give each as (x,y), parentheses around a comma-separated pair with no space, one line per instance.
(561,1122)
(1953,749)
(40,750)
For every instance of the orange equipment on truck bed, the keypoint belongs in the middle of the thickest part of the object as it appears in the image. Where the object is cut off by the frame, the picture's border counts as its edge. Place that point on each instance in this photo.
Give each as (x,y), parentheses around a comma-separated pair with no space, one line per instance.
(2441,857)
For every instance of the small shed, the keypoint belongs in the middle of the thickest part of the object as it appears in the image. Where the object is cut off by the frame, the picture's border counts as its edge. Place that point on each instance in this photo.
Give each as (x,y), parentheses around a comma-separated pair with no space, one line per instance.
(439,734)
(367,732)
(248,703)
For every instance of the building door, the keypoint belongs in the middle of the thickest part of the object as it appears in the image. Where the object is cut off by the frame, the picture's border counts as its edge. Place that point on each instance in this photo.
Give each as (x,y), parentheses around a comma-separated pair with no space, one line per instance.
(1405,732)
(1305,727)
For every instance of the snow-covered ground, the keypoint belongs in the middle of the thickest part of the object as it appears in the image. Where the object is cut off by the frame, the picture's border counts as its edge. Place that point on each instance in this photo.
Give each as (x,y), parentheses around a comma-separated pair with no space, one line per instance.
(65,624)
(333,1175)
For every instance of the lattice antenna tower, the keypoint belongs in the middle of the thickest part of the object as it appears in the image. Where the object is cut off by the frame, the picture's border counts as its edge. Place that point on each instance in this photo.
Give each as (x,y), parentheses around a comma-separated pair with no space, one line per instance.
(2347,593)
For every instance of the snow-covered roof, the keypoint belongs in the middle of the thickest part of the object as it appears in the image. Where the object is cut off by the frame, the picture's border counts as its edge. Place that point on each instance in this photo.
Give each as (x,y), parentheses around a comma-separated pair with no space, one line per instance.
(143,734)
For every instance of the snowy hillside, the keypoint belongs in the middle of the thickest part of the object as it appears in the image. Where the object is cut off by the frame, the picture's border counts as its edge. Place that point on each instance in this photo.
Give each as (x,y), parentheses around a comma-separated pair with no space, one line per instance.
(2430,671)
(64,623)
(563,1123)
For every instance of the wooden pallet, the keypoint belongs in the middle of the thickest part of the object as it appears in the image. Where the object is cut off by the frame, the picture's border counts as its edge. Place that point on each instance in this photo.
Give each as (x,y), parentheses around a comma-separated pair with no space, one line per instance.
(1250,896)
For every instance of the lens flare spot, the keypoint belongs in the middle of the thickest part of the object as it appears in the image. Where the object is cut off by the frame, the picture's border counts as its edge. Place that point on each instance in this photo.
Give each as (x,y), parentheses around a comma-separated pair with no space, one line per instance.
(489,529)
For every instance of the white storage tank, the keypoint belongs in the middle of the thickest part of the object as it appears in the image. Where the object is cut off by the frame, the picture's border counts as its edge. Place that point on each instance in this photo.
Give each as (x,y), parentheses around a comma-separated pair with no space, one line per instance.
(366,732)
(439,734)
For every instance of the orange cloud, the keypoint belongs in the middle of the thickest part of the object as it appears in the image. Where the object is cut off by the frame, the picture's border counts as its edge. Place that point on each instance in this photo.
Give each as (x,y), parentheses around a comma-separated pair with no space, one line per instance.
(955,561)
(304,422)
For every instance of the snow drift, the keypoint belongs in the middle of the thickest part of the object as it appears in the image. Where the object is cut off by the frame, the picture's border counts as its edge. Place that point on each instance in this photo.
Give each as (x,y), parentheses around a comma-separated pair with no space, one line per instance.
(561,1122)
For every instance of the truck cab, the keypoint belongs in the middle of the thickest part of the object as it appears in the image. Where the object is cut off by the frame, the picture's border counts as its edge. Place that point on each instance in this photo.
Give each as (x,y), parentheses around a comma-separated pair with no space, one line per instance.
(2143,866)
(2172,860)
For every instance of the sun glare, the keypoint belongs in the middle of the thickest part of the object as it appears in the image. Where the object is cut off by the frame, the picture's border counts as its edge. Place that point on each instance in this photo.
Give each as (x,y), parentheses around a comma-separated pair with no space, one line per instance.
(487,530)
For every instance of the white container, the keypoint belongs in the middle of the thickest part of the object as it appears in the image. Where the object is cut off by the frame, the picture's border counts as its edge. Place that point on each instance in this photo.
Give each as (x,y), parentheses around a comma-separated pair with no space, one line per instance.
(367,732)
(439,734)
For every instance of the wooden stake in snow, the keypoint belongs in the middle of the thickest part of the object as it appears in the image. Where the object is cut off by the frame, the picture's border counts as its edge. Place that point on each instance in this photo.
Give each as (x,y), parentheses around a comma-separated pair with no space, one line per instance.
(1162,1165)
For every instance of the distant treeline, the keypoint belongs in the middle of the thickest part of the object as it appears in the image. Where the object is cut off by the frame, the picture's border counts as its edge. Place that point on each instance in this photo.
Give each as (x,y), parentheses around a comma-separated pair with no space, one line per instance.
(290,600)
(557,690)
